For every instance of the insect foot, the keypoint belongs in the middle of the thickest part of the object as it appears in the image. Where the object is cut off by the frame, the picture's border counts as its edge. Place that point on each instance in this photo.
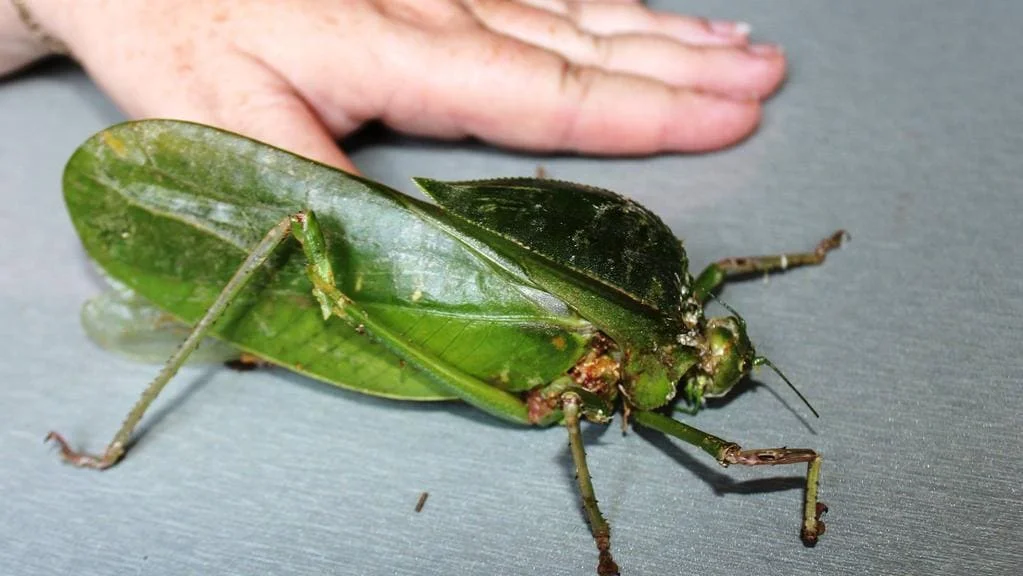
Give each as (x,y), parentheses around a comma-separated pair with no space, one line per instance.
(605,564)
(832,242)
(810,536)
(110,457)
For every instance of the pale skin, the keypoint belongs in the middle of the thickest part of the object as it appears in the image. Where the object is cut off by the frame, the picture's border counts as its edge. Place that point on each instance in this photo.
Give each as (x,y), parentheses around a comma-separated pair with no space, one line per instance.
(603,78)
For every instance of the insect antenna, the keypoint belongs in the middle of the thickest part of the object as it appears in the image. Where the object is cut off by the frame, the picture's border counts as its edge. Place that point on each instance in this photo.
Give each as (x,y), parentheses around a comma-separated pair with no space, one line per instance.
(762,360)
(742,321)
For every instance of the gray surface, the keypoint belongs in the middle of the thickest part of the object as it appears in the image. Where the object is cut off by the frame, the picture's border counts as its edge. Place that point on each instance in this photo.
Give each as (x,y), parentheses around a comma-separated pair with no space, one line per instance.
(901,122)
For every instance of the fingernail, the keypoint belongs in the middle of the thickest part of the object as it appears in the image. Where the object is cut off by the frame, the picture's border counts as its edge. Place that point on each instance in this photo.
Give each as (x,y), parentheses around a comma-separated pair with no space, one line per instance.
(766,50)
(729,28)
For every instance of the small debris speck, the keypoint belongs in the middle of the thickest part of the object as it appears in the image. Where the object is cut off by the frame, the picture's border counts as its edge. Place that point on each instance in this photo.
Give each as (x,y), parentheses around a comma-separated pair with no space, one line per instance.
(422,501)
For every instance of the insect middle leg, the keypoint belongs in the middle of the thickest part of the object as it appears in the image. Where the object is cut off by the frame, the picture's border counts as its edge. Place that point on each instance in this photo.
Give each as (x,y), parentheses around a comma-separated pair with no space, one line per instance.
(572,407)
(727,453)
(716,274)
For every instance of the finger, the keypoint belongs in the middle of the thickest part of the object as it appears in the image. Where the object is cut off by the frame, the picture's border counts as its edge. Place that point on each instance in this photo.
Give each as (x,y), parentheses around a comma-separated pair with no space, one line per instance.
(256,103)
(605,19)
(267,108)
(562,2)
(738,72)
(537,100)
(495,88)
(283,119)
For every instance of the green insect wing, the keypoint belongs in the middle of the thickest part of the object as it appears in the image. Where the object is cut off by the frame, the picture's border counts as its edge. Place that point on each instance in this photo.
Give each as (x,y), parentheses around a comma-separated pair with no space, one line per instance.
(170,209)
(593,232)
(121,321)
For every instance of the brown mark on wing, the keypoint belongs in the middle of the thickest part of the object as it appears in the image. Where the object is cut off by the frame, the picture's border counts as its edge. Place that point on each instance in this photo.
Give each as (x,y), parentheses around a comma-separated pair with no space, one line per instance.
(115,144)
(558,342)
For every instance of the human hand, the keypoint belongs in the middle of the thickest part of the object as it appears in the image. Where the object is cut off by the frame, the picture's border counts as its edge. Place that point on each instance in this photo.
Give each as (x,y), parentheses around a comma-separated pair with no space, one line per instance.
(592,77)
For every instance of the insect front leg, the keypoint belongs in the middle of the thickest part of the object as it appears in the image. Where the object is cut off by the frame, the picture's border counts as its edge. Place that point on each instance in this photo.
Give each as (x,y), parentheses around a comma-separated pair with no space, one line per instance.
(716,274)
(116,448)
(572,405)
(727,453)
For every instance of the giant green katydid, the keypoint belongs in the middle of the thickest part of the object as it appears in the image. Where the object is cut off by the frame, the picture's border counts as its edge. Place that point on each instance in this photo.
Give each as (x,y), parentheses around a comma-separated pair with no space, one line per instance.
(537,301)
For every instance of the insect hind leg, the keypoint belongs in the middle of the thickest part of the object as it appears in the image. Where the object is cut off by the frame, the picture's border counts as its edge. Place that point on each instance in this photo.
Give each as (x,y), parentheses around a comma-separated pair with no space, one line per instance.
(116,448)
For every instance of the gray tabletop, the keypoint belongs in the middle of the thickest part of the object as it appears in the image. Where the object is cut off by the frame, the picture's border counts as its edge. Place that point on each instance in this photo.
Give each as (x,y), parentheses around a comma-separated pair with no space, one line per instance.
(901,122)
